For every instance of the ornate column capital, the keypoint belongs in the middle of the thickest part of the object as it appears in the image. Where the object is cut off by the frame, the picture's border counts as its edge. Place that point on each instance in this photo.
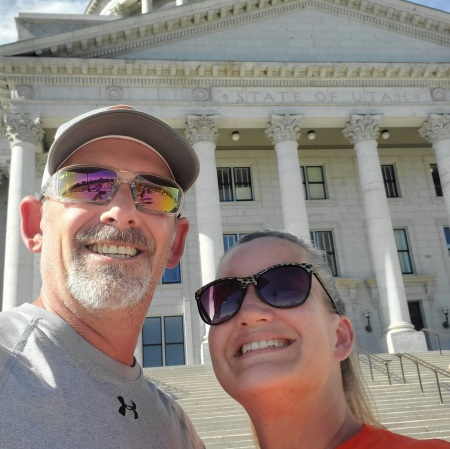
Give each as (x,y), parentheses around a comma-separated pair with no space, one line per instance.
(436,128)
(362,127)
(23,128)
(202,128)
(284,127)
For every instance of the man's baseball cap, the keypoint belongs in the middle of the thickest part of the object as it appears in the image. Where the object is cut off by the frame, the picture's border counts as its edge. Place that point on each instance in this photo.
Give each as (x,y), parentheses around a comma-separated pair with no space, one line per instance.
(123,120)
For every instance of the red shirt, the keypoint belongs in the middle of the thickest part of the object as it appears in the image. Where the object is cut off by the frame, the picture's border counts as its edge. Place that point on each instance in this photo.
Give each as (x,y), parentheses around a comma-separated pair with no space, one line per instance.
(371,437)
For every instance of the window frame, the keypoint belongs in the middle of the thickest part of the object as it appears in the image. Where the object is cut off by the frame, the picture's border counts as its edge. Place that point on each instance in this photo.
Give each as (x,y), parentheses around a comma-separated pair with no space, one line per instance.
(163,340)
(306,183)
(233,185)
(238,236)
(406,251)
(436,180)
(175,270)
(331,255)
(390,181)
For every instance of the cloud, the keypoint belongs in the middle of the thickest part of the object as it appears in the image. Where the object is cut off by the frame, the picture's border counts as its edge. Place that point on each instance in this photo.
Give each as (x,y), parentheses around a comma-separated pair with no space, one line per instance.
(11,10)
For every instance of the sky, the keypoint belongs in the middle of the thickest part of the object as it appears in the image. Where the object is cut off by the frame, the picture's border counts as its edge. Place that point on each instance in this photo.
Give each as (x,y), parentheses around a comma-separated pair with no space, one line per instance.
(13,7)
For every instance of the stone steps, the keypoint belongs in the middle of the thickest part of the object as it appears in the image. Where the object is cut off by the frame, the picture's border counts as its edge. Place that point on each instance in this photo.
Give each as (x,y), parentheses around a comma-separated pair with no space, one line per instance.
(222,423)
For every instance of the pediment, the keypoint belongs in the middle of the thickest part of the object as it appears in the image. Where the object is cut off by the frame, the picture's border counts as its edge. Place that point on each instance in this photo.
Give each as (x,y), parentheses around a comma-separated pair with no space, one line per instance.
(260,30)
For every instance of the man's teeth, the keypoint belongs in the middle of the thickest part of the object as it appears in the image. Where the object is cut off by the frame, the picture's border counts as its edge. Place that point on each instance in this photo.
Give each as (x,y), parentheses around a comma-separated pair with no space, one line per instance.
(263,344)
(113,250)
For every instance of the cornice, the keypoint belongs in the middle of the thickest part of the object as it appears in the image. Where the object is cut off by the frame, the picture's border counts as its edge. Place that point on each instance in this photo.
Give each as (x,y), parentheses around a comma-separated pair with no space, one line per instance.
(29,70)
(150,30)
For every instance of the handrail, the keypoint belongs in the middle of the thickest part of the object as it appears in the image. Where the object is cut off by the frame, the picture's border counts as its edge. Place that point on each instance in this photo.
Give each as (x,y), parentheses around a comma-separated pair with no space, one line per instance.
(437,335)
(425,364)
(371,356)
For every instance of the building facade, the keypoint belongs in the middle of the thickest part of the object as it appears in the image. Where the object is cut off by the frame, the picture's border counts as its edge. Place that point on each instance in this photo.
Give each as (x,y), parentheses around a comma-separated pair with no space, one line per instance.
(328,118)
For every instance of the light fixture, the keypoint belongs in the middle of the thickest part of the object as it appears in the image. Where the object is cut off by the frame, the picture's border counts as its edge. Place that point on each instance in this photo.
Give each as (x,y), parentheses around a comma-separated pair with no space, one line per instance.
(445,312)
(311,134)
(235,136)
(368,326)
(385,134)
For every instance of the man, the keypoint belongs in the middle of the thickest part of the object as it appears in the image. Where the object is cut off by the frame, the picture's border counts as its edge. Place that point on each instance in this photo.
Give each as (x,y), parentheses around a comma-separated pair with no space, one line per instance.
(68,378)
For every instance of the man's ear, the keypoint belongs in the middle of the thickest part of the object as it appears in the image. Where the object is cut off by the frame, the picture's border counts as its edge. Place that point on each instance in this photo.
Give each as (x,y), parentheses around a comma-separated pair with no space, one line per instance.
(177,247)
(30,229)
(345,338)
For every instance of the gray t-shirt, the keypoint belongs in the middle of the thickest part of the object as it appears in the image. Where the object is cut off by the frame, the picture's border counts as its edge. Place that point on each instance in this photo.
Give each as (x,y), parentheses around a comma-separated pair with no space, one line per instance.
(57,391)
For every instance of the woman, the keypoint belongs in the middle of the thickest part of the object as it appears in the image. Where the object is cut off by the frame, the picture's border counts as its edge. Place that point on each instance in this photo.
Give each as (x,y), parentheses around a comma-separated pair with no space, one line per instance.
(281,346)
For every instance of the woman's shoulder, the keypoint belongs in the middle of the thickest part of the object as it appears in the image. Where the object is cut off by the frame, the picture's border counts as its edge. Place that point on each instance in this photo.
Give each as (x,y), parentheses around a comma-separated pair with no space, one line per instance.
(373,437)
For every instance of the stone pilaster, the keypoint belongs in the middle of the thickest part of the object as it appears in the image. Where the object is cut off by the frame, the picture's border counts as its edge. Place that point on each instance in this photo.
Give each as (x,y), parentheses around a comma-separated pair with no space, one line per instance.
(362,131)
(25,136)
(284,131)
(202,132)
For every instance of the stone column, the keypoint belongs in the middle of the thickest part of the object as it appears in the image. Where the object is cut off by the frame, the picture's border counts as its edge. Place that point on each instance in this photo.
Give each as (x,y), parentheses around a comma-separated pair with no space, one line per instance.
(202,134)
(362,131)
(436,130)
(284,131)
(25,135)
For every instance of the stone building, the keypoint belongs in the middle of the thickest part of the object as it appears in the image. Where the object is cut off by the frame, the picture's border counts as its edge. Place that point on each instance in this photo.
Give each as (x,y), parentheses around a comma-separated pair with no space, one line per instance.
(329,118)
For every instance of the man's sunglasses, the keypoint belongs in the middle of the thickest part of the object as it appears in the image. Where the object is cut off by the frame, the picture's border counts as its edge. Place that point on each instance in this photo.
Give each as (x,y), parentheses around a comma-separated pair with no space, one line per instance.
(282,286)
(97,185)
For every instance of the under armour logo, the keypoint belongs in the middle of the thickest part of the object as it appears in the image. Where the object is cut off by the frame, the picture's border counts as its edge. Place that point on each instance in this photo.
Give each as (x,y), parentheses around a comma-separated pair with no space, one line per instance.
(124,407)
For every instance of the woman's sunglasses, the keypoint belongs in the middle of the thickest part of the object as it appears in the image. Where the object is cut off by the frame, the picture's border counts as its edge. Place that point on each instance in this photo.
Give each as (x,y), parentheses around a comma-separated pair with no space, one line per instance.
(97,185)
(282,286)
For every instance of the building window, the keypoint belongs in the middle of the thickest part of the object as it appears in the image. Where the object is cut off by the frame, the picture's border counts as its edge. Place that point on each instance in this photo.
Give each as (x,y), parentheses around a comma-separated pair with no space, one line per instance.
(235,184)
(313,182)
(447,238)
(324,241)
(404,256)
(163,341)
(390,181)
(230,239)
(436,179)
(172,275)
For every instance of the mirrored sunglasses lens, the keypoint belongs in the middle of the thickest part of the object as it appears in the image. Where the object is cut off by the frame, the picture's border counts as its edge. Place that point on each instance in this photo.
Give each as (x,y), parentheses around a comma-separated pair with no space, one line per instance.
(156,197)
(287,286)
(221,301)
(90,185)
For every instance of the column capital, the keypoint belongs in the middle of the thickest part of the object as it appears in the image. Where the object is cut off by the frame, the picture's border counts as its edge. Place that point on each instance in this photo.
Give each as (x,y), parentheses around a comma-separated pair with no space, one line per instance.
(284,127)
(436,128)
(202,128)
(362,127)
(23,128)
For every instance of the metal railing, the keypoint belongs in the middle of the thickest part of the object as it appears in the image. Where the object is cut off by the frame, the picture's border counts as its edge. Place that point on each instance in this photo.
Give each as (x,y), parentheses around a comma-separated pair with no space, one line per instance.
(372,357)
(438,336)
(427,365)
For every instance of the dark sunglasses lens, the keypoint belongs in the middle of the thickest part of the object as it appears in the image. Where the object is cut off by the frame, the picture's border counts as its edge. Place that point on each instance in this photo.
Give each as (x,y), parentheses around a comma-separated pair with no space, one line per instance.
(154,196)
(221,301)
(285,287)
(86,184)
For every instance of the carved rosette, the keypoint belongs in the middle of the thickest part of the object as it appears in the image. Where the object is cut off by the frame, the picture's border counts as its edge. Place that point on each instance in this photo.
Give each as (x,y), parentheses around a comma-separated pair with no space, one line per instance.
(202,128)
(436,128)
(23,128)
(284,127)
(362,127)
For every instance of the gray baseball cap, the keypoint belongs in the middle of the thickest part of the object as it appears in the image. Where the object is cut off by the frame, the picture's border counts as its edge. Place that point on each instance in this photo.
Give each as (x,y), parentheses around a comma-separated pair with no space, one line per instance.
(123,120)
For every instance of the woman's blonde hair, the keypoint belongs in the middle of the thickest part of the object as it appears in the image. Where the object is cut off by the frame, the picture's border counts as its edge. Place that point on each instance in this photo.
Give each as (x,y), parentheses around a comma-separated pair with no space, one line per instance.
(357,398)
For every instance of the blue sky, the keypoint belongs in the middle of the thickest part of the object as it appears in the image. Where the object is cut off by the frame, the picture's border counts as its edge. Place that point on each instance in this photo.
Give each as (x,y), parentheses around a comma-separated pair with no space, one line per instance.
(11,9)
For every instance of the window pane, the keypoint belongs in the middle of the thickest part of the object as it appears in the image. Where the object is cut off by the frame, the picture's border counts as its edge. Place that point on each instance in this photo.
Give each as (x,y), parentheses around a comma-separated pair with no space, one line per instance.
(229,240)
(447,238)
(400,239)
(243,184)
(404,256)
(316,192)
(153,356)
(314,174)
(225,187)
(436,179)
(151,331)
(175,354)
(172,275)
(173,329)
(405,262)
(302,169)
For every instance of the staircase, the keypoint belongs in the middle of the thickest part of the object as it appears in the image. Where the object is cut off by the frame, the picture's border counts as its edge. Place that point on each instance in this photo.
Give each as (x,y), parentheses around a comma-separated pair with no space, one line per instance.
(402,408)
